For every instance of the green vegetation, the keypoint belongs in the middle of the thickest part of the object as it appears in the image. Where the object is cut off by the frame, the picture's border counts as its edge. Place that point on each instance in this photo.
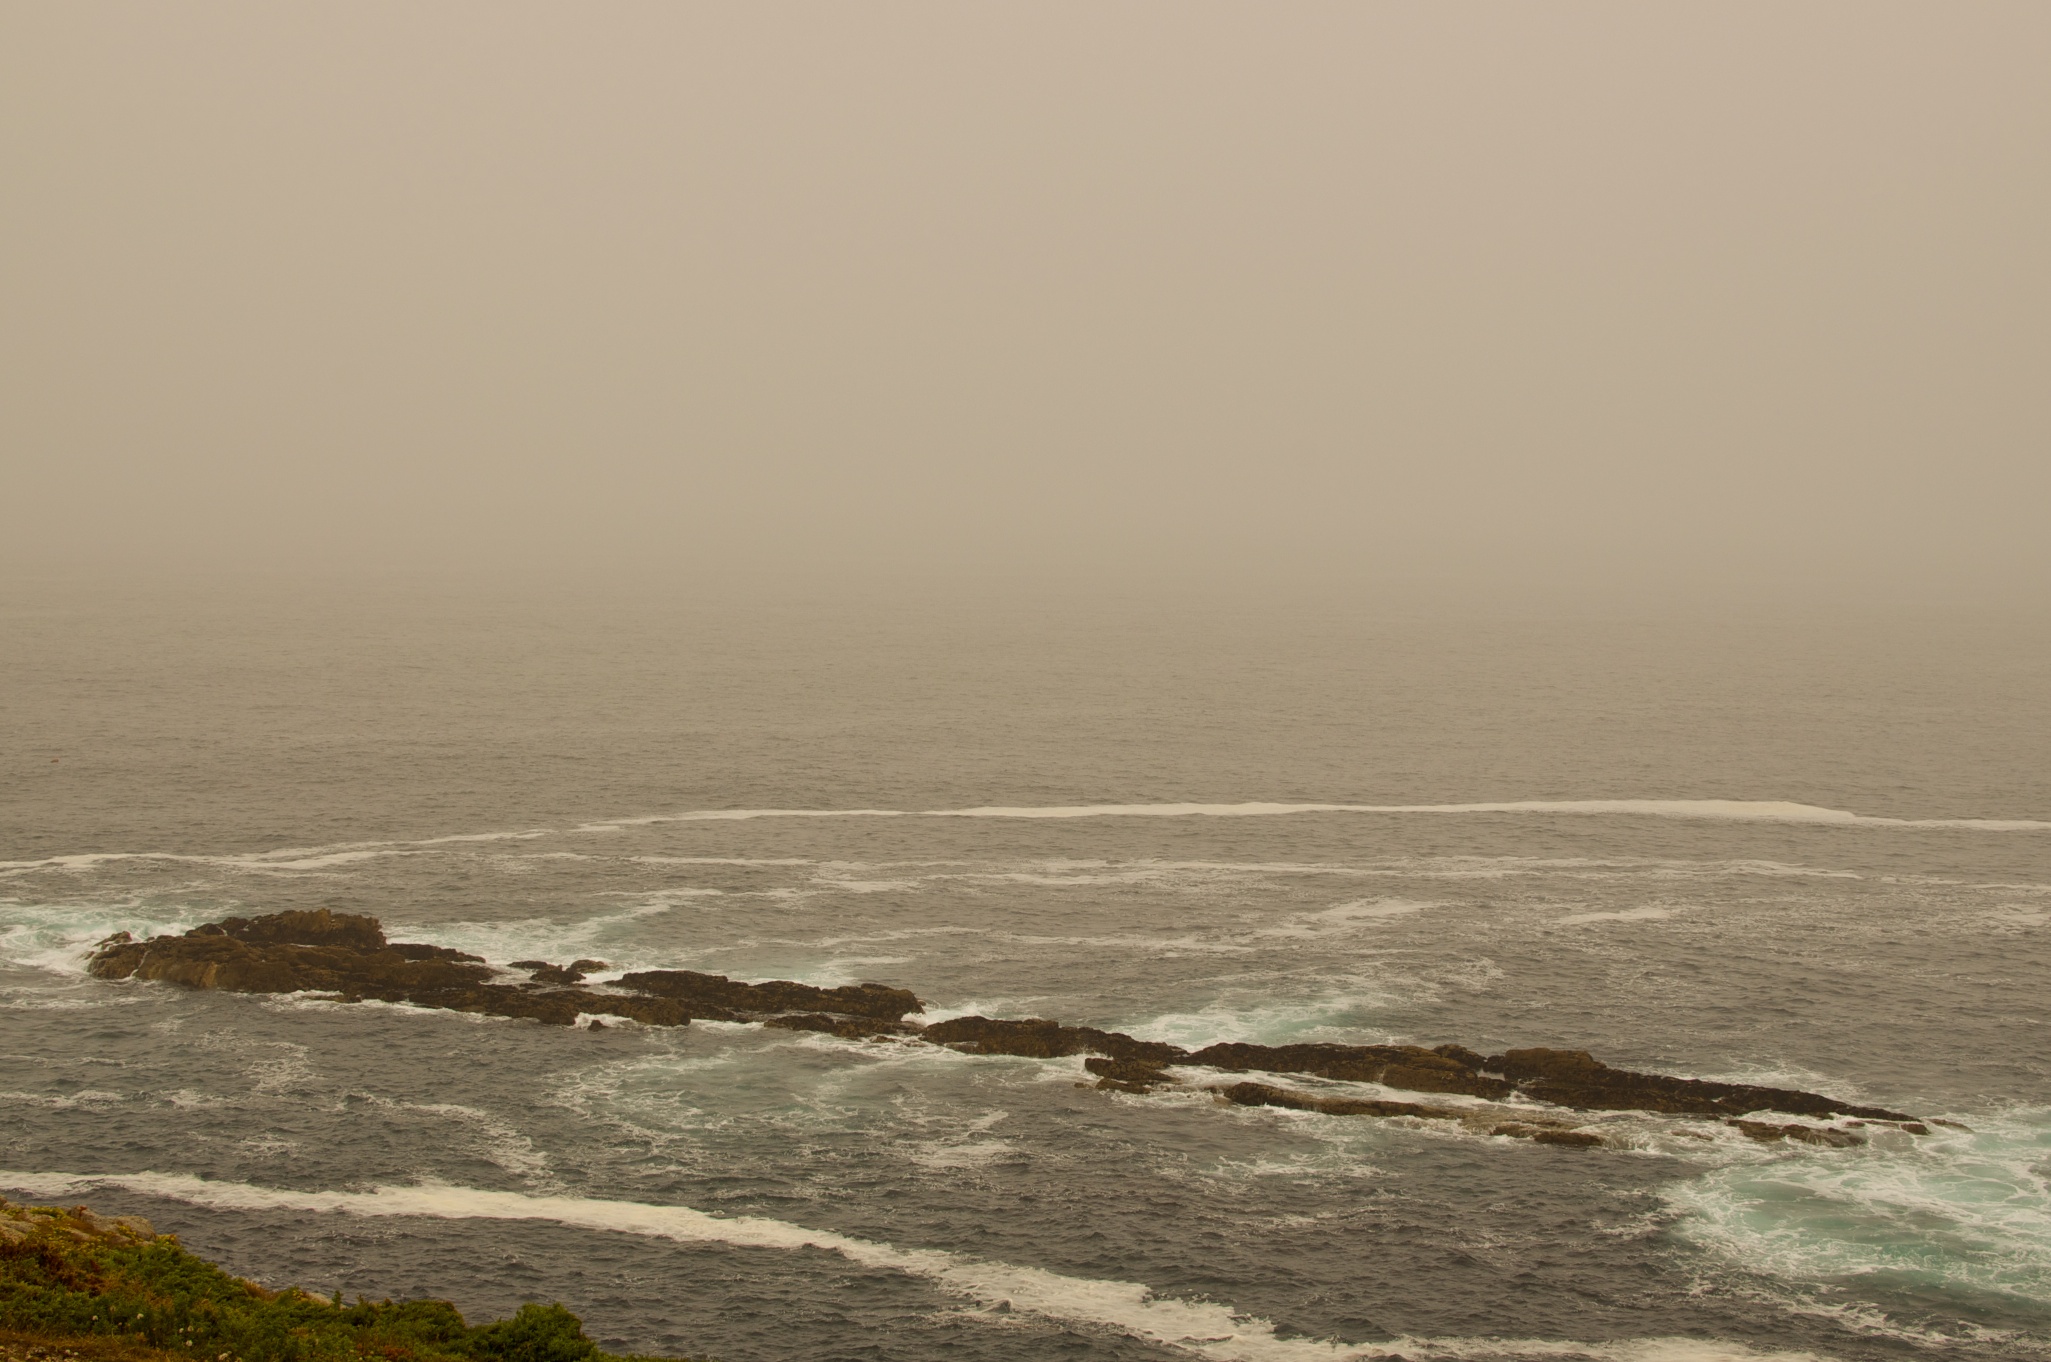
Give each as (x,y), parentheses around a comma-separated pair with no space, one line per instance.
(84,1278)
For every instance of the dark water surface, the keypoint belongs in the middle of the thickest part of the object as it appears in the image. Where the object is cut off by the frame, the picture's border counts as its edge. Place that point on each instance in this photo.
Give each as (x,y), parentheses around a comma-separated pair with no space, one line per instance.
(531,779)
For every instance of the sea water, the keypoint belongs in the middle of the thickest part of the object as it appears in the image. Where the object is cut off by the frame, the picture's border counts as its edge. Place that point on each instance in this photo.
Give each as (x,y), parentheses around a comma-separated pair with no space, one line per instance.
(1808,852)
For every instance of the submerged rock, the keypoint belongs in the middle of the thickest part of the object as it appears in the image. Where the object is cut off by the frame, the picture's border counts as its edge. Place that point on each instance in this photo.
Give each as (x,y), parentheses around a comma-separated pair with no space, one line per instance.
(1767,1131)
(1266,1095)
(1483,1120)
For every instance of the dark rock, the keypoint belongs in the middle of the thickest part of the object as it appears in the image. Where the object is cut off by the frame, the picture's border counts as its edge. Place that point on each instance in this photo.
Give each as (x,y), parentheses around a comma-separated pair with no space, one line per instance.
(531,964)
(349,957)
(594,1025)
(318,928)
(1573,1078)
(356,963)
(1397,1066)
(718,998)
(588,966)
(1037,1038)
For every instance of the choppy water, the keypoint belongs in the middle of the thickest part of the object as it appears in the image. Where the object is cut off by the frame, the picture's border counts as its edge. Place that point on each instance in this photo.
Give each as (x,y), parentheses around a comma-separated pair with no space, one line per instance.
(1830,868)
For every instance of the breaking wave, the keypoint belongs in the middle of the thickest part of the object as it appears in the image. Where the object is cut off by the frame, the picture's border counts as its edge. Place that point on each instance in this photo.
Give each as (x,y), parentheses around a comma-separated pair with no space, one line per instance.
(1203,1328)
(1763,811)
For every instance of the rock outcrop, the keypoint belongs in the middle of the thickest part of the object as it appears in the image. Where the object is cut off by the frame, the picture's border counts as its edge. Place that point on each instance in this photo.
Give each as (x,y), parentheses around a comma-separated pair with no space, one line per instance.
(1573,1078)
(1037,1038)
(1450,1068)
(718,998)
(347,957)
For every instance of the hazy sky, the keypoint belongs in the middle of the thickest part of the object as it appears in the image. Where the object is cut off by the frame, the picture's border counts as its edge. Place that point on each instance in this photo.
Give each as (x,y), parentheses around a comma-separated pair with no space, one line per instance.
(1744,298)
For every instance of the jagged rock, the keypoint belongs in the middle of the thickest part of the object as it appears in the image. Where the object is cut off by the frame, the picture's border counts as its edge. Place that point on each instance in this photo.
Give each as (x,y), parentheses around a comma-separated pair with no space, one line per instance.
(318,952)
(1573,1078)
(348,956)
(1767,1131)
(1037,1038)
(318,928)
(1398,1066)
(715,997)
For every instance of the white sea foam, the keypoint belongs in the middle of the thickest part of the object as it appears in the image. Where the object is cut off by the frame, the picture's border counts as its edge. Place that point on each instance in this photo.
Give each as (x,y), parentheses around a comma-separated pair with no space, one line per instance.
(286,858)
(1771,811)
(1267,1022)
(1204,1328)
(1621,915)
(58,937)
(548,939)
(322,858)
(1952,1209)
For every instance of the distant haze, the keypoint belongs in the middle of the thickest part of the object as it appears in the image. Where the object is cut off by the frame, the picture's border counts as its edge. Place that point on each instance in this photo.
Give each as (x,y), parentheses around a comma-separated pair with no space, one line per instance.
(1745,301)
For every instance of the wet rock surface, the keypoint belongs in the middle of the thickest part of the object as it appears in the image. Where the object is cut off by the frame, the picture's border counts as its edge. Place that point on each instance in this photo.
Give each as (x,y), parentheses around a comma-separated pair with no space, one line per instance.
(1519,1125)
(1573,1078)
(347,957)
(718,998)
(1450,1068)
(1769,1131)
(1038,1038)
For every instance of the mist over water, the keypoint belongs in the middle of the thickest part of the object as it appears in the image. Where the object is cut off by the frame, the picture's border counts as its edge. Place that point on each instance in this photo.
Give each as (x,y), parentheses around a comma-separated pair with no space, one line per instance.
(1794,853)
(1338,522)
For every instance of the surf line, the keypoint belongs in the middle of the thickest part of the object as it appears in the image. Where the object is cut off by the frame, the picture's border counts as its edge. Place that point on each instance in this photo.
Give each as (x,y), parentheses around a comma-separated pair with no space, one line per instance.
(1202,1328)
(1726,810)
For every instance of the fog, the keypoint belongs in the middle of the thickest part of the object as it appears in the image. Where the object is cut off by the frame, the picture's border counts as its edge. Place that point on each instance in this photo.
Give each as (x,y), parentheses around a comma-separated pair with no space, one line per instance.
(1721,301)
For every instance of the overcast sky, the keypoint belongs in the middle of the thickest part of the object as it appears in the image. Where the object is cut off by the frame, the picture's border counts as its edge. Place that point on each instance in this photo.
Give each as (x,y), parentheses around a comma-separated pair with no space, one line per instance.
(1751,299)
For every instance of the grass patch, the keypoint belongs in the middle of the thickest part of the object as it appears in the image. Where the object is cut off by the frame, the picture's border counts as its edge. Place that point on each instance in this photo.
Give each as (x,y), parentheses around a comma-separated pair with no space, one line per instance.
(112,1290)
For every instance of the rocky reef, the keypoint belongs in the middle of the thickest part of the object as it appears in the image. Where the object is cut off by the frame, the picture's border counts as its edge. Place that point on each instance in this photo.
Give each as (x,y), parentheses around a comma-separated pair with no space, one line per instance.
(348,957)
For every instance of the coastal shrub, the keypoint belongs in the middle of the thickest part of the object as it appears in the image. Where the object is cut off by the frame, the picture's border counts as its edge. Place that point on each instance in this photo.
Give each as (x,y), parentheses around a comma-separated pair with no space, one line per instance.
(537,1333)
(76,1275)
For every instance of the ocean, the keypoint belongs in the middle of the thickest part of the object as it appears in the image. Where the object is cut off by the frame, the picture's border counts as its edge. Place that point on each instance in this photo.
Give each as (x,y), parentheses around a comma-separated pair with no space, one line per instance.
(1792,847)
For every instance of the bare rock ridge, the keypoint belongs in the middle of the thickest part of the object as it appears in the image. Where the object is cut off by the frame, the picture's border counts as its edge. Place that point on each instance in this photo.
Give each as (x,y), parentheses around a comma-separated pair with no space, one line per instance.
(347,956)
